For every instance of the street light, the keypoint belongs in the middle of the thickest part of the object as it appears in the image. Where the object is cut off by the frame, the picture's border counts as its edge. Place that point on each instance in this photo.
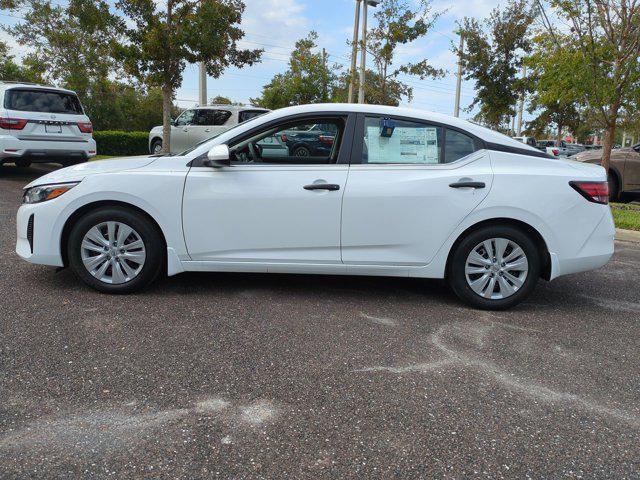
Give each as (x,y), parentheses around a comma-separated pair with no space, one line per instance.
(363,54)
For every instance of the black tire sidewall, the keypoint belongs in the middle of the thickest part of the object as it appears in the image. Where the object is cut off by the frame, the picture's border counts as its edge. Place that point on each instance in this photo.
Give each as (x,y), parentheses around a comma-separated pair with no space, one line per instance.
(153,146)
(457,278)
(614,188)
(152,239)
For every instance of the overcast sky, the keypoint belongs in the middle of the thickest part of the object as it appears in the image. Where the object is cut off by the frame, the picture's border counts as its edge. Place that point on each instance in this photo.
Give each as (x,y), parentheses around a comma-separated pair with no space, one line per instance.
(275,25)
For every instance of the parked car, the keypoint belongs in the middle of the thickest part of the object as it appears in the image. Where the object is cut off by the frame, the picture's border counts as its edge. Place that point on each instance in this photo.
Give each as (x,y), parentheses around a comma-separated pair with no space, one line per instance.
(402,193)
(198,124)
(624,169)
(43,124)
(554,148)
(527,141)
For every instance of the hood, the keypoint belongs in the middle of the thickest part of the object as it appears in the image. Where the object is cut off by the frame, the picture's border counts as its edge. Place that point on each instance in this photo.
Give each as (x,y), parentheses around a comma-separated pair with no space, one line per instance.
(78,172)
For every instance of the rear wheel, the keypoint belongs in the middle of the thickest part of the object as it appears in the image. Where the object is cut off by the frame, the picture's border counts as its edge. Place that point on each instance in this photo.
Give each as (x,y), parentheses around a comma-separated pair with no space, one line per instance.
(614,189)
(301,152)
(115,250)
(23,163)
(494,267)
(156,146)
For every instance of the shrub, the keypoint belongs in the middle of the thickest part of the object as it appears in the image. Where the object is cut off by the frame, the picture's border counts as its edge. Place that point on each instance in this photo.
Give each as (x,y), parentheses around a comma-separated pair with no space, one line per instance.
(117,143)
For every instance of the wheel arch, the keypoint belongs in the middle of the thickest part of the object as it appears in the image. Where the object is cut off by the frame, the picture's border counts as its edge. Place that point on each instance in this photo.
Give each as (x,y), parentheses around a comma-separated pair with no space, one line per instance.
(77,214)
(545,268)
(153,140)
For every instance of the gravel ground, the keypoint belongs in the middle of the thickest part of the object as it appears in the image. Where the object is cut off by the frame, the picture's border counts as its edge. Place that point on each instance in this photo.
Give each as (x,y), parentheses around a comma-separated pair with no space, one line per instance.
(284,376)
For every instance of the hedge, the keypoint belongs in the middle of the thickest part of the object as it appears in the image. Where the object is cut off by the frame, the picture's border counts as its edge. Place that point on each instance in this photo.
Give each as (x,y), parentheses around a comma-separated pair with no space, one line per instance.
(119,143)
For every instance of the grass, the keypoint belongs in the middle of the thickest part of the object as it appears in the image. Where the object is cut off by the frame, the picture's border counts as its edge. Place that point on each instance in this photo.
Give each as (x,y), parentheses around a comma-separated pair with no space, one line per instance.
(626,216)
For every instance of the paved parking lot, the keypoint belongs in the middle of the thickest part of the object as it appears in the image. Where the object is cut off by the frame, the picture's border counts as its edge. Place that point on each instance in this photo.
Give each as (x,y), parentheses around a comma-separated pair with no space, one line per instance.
(255,376)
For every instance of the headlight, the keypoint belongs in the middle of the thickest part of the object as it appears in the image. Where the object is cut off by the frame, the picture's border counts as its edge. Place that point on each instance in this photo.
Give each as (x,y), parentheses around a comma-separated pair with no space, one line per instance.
(42,193)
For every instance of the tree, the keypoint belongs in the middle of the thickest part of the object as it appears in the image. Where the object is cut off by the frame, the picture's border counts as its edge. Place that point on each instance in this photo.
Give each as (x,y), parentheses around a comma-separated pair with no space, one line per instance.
(10,70)
(601,51)
(493,58)
(393,94)
(398,24)
(70,44)
(220,100)
(159,43)
(309,78)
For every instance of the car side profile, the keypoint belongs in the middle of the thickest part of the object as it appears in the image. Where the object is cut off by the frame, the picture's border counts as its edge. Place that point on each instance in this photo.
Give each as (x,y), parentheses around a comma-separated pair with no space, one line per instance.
(197,124)
(43,124)
(624,169)
(401,193)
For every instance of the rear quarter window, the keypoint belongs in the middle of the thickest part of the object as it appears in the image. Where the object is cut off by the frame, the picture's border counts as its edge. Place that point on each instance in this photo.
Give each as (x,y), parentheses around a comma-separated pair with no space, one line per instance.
(43,101)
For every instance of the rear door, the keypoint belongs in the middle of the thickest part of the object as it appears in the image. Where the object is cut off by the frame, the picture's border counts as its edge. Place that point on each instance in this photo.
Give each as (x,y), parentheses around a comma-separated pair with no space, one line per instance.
(408,190)
(208,123)
(632,168)
(49,115)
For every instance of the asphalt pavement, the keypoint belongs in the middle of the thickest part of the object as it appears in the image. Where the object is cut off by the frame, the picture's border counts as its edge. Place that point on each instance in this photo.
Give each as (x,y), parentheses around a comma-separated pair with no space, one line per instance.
(289,376)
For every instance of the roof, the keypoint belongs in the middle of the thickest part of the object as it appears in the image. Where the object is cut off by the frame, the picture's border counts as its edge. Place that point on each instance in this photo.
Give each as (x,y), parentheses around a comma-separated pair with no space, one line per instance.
(223,106)
(479,131)
(6,85)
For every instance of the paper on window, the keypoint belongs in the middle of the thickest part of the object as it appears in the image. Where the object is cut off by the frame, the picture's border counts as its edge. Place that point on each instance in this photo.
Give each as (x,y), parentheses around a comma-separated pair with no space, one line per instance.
(406,145)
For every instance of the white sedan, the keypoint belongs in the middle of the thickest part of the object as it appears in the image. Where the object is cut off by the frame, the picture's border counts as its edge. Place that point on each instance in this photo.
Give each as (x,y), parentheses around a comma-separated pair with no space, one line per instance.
(395,192)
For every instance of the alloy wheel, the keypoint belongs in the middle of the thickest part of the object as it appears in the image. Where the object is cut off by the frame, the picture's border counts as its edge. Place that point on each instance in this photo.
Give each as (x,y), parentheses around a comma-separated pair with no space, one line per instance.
(113,252)
(496,268)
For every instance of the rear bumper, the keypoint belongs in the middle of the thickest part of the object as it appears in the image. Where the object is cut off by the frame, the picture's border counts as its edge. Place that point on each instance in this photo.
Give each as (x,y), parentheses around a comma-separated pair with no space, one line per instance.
(595,252)
(42,151)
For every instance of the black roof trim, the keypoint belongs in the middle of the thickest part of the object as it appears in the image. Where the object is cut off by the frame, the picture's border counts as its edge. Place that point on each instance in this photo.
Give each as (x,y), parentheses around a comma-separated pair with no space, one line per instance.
(498,147)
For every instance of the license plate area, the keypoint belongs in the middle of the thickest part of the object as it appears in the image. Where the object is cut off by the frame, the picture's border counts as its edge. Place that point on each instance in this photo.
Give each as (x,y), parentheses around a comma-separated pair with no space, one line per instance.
(53,128)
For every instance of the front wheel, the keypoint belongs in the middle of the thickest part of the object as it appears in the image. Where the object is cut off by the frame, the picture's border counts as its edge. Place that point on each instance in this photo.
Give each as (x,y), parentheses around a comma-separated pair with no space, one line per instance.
(115,250)
(494,267)
(156,147)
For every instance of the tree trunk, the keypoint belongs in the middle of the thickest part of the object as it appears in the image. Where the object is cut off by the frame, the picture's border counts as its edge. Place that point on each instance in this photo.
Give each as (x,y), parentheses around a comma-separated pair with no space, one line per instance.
(166,119)
(607,145)
(559,136)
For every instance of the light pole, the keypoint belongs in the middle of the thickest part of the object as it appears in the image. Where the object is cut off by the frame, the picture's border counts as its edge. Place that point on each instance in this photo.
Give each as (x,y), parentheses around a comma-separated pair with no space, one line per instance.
(354,52)
(456,107)
(202,81)
(363,52)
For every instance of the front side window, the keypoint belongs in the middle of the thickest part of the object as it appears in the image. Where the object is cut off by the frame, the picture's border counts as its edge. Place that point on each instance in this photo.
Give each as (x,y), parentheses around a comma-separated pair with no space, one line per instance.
(205,117)
(398,141)
(305,142)
(43,101)
(186,118)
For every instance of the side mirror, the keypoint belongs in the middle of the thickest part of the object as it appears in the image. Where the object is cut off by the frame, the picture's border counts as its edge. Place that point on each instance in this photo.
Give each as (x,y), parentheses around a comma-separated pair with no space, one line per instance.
(218,157)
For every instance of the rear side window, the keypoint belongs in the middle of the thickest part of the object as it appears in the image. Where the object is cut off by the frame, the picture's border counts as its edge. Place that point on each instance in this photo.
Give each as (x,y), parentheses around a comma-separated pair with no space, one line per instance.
(457,145)
(43,101)
(398,141)
(249,114)
(211,117)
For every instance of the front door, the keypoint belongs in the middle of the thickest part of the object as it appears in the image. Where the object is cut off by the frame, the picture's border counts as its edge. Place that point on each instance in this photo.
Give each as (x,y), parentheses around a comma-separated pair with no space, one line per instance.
(275,209)
(180,131)
(410,186)
(207,123)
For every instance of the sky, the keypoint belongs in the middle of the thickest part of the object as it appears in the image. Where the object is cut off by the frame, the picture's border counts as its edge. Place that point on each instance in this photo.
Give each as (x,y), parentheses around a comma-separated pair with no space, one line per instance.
(275,25)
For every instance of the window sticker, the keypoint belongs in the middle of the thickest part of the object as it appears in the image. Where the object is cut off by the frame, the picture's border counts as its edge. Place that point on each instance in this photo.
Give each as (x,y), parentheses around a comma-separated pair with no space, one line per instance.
(406,145)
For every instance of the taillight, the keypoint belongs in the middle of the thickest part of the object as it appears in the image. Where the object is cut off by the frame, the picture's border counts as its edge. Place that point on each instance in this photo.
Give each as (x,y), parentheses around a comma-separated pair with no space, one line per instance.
(283,137)
(13,123)
(555,151)
(326,139)
(85,127)
(597,192)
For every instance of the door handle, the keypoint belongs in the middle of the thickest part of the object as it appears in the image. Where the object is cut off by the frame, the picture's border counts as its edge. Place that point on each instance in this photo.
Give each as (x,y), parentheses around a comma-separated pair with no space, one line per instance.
(322,186)
(467,185)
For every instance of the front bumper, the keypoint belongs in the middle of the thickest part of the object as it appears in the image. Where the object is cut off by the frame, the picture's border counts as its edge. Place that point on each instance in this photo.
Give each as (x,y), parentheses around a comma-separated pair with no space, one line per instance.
(38,246)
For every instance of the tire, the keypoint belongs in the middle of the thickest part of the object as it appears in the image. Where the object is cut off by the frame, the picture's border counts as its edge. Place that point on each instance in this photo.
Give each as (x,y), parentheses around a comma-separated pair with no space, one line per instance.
(152,253)
(460,281)
(301,152)
(22,163)
(156,146)
(614,189)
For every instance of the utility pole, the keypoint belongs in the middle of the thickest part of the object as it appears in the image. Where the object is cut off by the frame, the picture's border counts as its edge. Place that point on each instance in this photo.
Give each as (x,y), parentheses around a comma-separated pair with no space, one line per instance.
(521,109)
(325,73)
(202,81)
(354,52)
(456,107)
(363,53)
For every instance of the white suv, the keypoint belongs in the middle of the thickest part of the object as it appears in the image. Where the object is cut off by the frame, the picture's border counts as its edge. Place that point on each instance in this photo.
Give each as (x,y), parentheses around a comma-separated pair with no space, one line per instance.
(43,124)
(201,123)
